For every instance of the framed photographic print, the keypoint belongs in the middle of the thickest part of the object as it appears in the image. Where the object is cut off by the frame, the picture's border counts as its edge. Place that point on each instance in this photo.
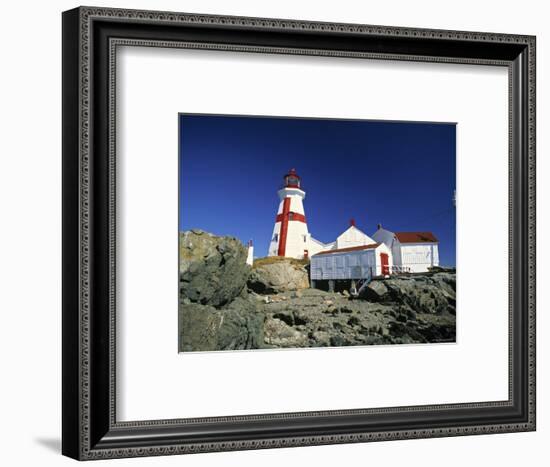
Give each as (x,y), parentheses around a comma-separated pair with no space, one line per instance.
(286,288)
(284,233)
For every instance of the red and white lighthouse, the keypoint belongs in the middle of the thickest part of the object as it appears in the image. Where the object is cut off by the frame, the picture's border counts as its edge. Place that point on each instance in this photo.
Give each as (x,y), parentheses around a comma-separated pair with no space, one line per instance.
(290,234)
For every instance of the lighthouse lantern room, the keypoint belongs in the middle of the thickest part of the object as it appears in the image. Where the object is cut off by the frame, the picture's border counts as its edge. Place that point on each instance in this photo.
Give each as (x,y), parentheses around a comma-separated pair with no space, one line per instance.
(292,180)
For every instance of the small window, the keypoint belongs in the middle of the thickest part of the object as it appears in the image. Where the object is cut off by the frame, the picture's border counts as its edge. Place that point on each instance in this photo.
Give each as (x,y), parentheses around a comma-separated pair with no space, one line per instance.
(276,237)
(305,238)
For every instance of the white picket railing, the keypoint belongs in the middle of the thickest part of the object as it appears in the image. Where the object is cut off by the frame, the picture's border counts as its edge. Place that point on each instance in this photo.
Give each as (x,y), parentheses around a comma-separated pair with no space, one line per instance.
(400,269)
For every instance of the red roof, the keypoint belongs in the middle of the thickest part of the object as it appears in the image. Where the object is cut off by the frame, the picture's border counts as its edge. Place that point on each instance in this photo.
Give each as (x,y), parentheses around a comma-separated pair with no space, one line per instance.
(416,237)
(350,248)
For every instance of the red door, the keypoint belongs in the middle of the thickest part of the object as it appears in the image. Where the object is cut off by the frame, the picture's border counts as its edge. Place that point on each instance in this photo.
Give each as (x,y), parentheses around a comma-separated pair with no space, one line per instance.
(385,264)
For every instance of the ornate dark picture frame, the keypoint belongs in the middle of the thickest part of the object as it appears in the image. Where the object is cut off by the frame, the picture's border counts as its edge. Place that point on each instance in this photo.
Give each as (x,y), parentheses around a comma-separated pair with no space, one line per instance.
(90,40)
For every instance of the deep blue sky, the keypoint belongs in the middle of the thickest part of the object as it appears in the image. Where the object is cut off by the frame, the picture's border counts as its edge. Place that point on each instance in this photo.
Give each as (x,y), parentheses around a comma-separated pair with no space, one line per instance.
(400,174)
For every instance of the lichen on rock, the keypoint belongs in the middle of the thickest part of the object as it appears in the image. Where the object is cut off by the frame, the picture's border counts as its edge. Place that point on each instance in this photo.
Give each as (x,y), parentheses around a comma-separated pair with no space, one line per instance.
(283,275)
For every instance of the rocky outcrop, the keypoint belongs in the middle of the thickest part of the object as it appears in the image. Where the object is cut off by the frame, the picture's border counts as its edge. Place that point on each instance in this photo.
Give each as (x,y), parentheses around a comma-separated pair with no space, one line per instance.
(315,318)
(226,305)
(429,293)
(213,315)
(213,270)
(205,328)
(278,275)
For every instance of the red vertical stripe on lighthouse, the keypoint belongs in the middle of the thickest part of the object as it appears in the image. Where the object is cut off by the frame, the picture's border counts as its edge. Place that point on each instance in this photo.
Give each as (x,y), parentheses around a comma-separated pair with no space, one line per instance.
(284,227)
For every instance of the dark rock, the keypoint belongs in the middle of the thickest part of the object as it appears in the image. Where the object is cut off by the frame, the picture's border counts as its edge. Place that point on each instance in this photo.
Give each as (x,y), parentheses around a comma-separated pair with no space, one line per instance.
(302,317)
(287,316)
(433,293)
(411,314)
(213,270)
(442,269)
(205,328)
(375,291)
(354,321)
(338,341)
(198,326)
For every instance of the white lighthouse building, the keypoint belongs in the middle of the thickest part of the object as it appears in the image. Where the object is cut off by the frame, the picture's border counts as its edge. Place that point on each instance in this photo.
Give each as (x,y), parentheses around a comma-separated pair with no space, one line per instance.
(291,237)
(411,251)
(353,254)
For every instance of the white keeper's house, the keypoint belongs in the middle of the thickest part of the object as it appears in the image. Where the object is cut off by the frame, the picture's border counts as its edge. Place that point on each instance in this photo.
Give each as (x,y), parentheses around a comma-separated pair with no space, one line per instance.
(353,255)
(411,251)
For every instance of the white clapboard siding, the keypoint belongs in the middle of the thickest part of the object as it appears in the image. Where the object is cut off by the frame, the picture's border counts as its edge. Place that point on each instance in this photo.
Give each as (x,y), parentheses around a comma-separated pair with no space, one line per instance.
(419,257)
(341,265)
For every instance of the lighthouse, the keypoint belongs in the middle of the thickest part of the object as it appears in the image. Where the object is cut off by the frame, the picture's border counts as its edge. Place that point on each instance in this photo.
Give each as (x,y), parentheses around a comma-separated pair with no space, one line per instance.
(290,234)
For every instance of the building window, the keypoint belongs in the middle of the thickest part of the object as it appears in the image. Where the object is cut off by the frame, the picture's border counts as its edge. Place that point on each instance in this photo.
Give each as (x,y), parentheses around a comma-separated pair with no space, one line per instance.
(305,238)
(276,237)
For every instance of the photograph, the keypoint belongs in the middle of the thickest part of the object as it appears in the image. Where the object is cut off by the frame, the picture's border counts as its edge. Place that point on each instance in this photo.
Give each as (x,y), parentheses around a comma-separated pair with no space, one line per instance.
(368,257)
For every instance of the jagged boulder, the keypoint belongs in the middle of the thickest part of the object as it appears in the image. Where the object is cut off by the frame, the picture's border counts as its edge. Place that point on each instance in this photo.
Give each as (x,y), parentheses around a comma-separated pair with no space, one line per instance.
(423,294)
(205,328)
(279,334)
(213,270)
(375,291)
(278,276)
